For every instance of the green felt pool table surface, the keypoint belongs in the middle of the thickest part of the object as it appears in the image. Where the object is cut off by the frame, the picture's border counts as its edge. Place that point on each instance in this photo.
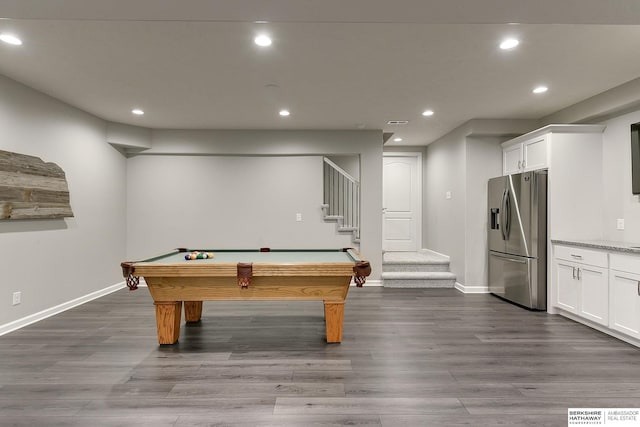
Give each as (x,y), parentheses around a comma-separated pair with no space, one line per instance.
(273,256)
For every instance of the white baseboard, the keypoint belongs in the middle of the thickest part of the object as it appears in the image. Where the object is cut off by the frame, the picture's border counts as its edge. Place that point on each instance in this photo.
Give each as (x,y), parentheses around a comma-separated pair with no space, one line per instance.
(600,328)
(471,289)
(36,317)
(369,283)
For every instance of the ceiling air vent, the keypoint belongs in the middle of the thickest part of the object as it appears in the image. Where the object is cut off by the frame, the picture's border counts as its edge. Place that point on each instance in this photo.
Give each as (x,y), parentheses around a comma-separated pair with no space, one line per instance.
(397,122)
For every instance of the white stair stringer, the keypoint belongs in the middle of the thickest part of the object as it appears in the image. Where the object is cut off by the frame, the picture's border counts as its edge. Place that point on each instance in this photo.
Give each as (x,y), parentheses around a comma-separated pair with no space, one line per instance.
(341,199)
(339,220)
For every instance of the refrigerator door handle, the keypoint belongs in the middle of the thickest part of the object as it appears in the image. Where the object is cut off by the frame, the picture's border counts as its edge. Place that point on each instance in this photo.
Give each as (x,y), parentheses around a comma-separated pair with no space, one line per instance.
(507,205)
(503,222)
(506,258)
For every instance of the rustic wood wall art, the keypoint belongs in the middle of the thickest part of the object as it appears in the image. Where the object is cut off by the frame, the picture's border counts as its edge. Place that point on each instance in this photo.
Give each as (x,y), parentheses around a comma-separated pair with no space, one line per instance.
(31,188)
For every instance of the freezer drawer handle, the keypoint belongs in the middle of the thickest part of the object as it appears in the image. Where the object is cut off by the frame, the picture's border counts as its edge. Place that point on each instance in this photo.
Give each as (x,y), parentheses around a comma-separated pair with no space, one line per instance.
(519,261)
(576,256)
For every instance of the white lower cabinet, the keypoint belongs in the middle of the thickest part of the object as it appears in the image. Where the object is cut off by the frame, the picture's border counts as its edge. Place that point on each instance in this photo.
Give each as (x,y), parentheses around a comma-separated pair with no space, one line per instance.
(594,294)
(566,286)
(582,289)
(598,287)
(624,301)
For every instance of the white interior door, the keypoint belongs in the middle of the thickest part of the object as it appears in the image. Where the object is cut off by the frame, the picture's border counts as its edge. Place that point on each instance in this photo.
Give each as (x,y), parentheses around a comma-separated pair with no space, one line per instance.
(402,201)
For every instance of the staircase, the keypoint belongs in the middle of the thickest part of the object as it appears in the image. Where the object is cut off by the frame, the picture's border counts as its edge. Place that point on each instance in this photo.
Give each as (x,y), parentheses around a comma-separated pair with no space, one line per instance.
(341,202)
(424,269)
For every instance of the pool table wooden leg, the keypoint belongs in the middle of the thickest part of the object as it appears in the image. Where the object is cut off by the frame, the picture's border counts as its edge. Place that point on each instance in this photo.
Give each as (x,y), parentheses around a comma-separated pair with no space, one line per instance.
(334,317)
(192,311)
(168,321)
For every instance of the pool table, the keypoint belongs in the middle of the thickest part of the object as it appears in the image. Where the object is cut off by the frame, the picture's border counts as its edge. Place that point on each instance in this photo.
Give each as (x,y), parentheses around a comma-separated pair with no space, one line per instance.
(260,274)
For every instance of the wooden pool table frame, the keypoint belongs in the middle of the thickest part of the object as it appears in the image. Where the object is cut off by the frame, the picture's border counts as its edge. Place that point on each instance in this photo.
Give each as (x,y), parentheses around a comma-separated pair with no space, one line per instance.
(174,283)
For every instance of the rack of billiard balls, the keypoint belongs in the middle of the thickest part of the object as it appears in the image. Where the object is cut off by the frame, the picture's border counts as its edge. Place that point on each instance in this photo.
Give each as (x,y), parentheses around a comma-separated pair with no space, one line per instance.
(198,255)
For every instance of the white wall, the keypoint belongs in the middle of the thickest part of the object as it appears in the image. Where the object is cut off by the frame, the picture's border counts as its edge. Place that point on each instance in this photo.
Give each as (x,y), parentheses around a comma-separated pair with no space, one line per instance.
(461,163)
(55,261)
(444,219)
(226,202)
(619,202)
(349,164)
(484,161)
(616,108)
(366,144)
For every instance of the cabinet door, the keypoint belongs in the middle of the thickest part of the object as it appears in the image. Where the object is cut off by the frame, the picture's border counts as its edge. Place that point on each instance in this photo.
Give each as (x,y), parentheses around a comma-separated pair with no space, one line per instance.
(512,159)
(534,153)
(594,293)
(624,302)
(566,286)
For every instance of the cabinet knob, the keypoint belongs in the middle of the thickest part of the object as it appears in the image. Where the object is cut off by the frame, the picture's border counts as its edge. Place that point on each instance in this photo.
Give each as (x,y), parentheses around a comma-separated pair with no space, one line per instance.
(519,164)
(523,164)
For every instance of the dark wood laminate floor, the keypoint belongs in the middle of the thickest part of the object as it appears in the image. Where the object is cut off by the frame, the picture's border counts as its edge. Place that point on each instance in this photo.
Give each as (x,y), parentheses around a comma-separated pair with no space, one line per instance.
(410,357)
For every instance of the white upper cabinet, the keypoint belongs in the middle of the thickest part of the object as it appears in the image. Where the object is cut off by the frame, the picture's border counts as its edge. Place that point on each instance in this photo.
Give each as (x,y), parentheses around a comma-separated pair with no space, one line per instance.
(525,155)
(534,150)
(512,159)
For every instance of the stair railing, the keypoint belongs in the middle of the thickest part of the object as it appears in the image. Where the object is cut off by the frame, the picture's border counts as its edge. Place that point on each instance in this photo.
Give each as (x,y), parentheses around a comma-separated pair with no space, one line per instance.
(341,198)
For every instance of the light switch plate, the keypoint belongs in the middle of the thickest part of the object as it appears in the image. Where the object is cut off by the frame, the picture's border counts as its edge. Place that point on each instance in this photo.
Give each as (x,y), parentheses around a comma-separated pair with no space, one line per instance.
(620,223)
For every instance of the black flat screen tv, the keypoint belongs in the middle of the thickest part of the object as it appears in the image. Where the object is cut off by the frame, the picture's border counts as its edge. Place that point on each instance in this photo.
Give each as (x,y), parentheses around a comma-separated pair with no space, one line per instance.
(635,158)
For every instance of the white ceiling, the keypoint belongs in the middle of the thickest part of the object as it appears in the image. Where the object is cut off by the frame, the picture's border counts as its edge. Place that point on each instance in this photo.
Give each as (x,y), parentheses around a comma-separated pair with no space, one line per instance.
(336,64)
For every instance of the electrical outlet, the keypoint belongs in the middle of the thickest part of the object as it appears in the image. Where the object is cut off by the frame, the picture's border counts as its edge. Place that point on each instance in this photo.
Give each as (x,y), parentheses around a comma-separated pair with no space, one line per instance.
(298,217)
(447,195)
(17,297)
(620,223)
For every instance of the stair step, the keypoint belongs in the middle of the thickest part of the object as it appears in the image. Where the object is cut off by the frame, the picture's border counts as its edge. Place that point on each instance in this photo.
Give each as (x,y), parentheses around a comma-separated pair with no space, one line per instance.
(418,279)
(333,217)
(418,275)
(434,266)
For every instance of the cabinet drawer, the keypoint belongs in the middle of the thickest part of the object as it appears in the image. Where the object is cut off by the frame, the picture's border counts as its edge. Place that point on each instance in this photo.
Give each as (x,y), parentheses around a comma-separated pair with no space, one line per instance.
(581,255)
(629,263)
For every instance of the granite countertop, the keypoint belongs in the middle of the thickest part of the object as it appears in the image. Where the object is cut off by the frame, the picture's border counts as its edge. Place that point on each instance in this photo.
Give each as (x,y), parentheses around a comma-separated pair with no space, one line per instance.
(608,245)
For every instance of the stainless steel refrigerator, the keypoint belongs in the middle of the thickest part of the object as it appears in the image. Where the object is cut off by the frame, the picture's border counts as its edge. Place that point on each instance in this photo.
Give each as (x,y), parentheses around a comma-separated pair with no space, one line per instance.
(518,238)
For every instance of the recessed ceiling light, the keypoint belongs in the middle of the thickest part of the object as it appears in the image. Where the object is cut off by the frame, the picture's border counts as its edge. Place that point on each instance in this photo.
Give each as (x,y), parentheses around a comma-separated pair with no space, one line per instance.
(284,113)
(509,44)
(540,89)
(397,139)
(137,111)
(10,39)
(263,40)
(397,122)
(427,113)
